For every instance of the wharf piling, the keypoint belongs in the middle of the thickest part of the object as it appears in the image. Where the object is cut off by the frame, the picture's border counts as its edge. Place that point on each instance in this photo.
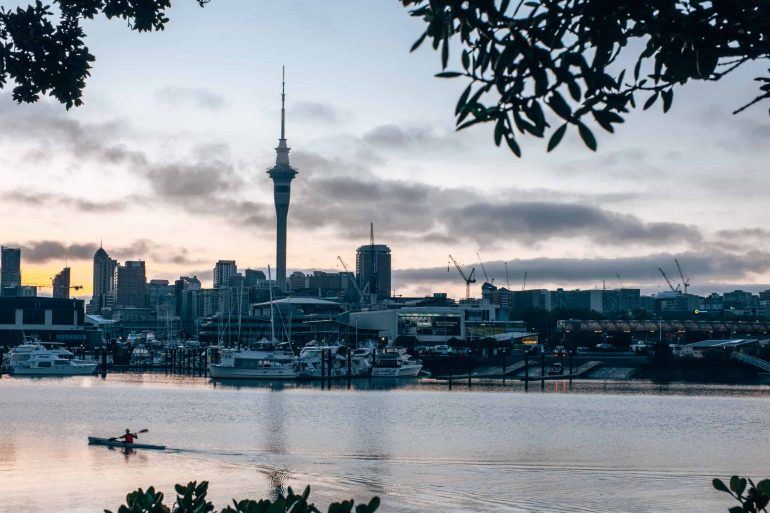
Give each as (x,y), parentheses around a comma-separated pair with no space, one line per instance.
(542,371)
(526,371)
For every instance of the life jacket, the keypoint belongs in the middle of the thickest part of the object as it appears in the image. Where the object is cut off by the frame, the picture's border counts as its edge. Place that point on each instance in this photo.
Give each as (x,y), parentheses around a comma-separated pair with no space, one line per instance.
(129,438)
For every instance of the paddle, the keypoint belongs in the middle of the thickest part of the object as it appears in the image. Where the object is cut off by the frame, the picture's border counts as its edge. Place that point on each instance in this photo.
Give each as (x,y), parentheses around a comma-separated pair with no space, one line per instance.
(140,431)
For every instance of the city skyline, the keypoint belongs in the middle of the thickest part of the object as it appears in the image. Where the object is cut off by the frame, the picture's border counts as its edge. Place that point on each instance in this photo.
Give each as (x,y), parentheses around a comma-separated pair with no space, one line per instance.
(193,148)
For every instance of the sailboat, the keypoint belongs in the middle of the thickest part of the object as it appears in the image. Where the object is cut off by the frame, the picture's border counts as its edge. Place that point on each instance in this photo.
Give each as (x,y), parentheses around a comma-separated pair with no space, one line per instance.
(269,361)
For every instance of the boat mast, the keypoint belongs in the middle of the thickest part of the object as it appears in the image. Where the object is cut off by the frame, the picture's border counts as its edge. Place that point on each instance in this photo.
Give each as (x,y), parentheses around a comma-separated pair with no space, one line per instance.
(272,318)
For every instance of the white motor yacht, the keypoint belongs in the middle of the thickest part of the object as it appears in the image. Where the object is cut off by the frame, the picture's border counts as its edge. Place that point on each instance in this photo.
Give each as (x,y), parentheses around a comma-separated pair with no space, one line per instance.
(395,362)
(34,359)
(263,363)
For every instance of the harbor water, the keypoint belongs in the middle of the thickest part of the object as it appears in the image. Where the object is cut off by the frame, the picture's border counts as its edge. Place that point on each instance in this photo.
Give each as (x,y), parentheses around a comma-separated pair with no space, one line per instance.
(598,447)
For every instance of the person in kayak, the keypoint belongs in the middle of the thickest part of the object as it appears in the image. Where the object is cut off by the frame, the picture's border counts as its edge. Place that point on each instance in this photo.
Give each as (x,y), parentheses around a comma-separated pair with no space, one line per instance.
(128,437)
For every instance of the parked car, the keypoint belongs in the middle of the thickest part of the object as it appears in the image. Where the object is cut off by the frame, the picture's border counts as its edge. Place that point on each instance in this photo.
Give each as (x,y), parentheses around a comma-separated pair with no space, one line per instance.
(583,350)
(605,347)
(639,347)
(441,349)
(559,351)
(556,369)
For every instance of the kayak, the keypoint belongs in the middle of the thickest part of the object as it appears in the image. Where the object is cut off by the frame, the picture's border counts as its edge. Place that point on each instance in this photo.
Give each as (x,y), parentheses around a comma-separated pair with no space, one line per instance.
(92,440)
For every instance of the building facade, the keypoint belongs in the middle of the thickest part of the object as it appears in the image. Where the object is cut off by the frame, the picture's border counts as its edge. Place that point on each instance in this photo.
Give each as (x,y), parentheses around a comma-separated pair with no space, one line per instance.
(10,271)
(61,284)
(373,270)
(105,277)
(132,284)
(223,271)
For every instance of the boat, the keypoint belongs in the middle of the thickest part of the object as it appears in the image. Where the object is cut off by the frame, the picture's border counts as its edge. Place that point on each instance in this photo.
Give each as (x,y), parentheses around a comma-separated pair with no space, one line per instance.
(92,440)
(34,359)
(395,362)
(270,361)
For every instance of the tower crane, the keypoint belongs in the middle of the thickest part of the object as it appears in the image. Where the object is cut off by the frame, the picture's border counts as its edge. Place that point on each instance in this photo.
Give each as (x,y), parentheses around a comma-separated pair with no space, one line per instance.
(469,278)
(352,279)
(620,280)
(685,281)
(670,285)
(524,285)
(49,286)
(484,270)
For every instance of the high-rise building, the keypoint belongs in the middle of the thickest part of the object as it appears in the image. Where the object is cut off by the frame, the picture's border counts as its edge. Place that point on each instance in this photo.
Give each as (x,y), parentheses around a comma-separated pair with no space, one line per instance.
(223,271)
(61,284)
(254,277)
(282,174)
(160,297)
(132,284)
(10,271)
(104,282)
(373,269)
(181,285)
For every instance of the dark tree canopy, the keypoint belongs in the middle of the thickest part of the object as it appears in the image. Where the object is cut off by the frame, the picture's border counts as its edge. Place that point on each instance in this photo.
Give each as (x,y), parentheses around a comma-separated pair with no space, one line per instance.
(539,67)
(42,49)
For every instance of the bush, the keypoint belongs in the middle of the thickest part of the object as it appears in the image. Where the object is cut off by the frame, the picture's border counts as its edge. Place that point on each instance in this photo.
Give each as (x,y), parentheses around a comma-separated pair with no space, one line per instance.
(753,500)
(192,499)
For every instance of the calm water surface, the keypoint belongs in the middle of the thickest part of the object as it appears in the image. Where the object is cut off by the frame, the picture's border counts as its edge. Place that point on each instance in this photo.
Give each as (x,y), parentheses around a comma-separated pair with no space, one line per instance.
(625,447)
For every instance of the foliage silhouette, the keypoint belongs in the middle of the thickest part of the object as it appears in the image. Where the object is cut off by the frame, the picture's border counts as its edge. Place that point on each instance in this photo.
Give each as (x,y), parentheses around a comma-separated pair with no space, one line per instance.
(192,499)
(545,66)
(753,498)
(44,52)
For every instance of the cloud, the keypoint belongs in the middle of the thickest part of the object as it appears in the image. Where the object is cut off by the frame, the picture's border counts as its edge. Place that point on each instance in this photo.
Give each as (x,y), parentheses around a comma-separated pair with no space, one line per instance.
(315,111)
(195,96)
(80,204)
(705,269)
(190,180)
(396,137)
(43,251)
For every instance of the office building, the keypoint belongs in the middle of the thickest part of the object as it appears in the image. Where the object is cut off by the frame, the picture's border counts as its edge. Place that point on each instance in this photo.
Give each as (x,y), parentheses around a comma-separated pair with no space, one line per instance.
(61,284)
(10,271)
(254,277)
(183,284)
(223,271)
(282,174)
(45,318)
(373,270)
(132,284)
(105,276)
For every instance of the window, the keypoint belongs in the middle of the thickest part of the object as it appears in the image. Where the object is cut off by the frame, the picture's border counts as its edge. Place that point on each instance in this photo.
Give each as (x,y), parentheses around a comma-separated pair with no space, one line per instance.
(34,316)
(63,317)
(43,364)
(7,316)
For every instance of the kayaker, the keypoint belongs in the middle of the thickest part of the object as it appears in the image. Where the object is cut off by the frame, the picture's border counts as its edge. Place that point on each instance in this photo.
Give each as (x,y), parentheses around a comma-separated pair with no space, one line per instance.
(128,437)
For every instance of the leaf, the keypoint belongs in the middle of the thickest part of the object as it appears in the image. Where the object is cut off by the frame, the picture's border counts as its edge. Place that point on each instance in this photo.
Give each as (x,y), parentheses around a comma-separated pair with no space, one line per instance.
(559,106)
(764,487)
(499,130)
(419,42)
(720,485)
(650,101)
(587,136)
(738,485)
(463,99)
(449,74)
(444,53)
(737,509)
(512,144)
(668,97)
(557,137)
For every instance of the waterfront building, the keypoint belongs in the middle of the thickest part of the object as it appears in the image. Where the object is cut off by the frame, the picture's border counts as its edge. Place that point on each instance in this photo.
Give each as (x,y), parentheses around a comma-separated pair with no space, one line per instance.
(10,271)
(160,297)
(61,284)
(132,284)
(181,285)
(223,271)
(429,325)
(282,174)
(27,291)
(104,281)
(373,270)
(49,319)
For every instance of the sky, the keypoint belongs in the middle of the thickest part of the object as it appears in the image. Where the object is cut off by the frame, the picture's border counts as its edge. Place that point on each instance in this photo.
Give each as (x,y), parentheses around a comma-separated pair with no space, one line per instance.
(166,162)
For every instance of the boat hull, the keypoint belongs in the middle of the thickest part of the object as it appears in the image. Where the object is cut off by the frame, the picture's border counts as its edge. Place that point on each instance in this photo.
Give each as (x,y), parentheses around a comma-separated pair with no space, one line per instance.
(92,440)
(224,372)
(405,371)
(64,370)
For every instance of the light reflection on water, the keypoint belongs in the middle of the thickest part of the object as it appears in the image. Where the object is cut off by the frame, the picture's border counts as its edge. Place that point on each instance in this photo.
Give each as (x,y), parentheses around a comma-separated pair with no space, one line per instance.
(623,446)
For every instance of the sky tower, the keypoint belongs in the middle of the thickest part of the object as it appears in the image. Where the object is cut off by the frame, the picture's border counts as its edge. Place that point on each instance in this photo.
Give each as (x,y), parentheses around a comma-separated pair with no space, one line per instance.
(282,174)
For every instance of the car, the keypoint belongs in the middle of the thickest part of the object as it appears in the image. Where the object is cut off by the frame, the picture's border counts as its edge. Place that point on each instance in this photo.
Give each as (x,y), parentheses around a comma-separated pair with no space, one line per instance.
(639,347)
(441,349)
(605,347)
(556,369)
(583,350)
(559,351)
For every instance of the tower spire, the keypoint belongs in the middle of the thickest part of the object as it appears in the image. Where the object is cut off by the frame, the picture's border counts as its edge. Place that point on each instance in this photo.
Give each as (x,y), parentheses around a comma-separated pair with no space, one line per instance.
(282,151)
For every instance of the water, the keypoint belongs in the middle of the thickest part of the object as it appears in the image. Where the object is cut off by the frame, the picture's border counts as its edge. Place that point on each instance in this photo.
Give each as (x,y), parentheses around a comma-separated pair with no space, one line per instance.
(624,447)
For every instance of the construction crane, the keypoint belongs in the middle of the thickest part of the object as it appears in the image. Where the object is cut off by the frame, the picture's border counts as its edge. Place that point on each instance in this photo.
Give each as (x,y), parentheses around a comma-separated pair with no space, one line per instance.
(524,285)
(620,280)
(47,286)
(685,281)
(483,269)
(507,281)
(352,279)
(670,285)
(469,278)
